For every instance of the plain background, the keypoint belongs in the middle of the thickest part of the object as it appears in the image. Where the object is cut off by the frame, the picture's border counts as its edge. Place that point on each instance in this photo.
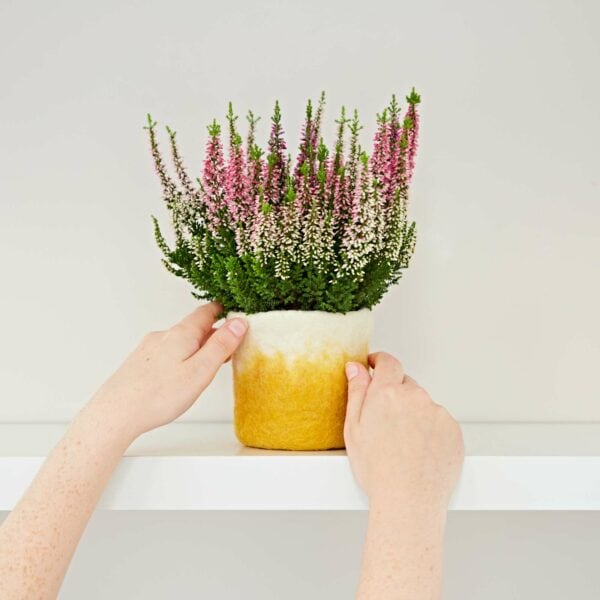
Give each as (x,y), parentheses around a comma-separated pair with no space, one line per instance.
(498,315)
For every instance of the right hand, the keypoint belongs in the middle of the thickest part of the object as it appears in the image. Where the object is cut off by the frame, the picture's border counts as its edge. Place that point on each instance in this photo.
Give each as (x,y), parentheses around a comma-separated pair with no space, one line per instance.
(402,446)
(167,372)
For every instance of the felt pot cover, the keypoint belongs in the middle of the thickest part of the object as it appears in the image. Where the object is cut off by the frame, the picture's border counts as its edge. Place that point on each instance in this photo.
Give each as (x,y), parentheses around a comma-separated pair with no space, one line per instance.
(289,381)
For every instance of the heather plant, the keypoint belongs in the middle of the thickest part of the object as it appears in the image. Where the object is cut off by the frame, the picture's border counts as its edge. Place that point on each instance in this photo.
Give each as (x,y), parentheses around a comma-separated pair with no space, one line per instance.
(259,231)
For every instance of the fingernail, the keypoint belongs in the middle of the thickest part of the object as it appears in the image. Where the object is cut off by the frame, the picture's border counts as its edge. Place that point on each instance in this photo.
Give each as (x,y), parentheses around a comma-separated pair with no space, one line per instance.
(351,370)
(237,327)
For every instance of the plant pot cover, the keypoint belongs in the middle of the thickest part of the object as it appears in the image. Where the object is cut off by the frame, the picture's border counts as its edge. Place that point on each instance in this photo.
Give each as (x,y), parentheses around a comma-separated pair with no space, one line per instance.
(289,380)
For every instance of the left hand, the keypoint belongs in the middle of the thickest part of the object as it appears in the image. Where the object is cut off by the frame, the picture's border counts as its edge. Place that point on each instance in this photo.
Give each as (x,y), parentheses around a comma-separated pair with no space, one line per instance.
(404,449)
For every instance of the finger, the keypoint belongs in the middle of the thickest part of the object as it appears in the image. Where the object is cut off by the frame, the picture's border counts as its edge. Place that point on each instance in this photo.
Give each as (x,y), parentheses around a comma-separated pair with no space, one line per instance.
(200,321)
(358,382)
(386,368)
(210,332)
(190,333)
(218,348)
(208,335)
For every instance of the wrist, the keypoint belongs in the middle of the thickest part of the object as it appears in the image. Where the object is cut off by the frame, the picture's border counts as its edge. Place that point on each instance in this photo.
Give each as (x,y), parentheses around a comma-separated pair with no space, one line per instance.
(103,415)
(416,493)
(406,508)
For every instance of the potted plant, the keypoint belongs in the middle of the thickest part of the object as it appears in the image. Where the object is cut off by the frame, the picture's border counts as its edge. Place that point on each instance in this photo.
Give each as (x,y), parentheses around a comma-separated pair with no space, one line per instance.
(303,248)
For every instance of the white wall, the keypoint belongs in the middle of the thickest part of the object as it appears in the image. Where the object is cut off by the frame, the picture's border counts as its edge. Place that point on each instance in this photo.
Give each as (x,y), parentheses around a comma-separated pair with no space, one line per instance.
(498,315)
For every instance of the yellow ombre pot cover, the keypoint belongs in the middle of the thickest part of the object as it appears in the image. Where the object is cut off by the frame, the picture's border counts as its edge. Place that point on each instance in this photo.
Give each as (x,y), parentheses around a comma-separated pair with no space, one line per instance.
(289,380)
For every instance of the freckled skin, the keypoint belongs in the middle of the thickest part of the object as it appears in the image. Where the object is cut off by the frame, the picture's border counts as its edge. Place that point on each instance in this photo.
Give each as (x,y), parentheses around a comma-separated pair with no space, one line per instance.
(406,452)
(159,381)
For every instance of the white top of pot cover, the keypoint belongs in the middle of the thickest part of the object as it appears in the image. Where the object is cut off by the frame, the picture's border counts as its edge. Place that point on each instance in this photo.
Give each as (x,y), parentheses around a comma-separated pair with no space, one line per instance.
(298,332)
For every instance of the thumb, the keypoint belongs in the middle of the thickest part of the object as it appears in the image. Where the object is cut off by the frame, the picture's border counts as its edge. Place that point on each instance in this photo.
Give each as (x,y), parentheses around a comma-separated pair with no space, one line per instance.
(358,382)
(217,349)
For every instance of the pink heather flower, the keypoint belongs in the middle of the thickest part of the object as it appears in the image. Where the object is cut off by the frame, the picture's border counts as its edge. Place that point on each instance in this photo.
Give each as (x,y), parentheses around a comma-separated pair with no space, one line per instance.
(316,128)
(303,151)
(359,232)
(391,168)
(353,166)
(412,141)
(256,168)
(305,171)
(380,149)
(409,141)
(338,184)
(305,178)
(168,185)
(237,195)
(214,181)
(276,164)
(190,192)
(336,210)
(236,185)
(378,220)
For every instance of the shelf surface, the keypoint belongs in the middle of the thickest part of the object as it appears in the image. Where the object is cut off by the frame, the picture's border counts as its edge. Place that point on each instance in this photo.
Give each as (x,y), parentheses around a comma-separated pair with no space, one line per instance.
(201,466)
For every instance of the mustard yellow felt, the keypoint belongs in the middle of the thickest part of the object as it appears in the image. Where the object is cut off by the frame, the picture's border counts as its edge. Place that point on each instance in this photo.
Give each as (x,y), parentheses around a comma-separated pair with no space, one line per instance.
(284,404)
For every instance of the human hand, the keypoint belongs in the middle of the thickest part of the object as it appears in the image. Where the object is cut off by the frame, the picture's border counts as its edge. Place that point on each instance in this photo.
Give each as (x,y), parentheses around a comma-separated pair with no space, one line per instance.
(168,370)
(160,380)
(403,448)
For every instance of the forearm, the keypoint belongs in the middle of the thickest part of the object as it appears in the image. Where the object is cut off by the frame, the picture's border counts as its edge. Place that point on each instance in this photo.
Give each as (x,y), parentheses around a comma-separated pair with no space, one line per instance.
(403,553)
(39,537)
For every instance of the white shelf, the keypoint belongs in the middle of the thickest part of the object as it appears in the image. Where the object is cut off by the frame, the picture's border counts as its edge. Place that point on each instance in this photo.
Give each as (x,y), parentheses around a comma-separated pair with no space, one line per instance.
(203,467)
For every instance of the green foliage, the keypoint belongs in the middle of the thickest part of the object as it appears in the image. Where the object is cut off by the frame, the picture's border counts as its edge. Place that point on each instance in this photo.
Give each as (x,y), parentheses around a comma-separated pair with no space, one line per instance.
(249,284)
